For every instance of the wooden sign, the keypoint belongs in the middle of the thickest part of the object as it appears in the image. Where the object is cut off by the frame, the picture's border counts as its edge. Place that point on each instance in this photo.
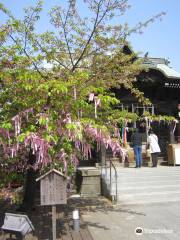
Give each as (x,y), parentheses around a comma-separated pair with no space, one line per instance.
(53,188)
(53,192)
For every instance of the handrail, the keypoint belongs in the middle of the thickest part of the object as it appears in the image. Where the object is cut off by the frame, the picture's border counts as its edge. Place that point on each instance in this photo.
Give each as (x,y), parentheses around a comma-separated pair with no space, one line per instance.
(115,171)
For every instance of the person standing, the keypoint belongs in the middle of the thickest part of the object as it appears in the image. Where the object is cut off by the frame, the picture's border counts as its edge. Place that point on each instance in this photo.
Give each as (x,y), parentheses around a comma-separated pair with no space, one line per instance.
(154,147)
(136,140)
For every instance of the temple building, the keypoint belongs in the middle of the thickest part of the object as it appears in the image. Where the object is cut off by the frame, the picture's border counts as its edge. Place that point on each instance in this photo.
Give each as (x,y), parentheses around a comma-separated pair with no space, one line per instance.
(161,84)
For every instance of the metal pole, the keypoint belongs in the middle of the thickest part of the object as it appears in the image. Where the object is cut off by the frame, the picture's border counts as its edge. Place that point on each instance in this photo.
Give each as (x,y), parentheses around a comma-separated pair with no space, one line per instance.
(115,171)
(54,221)
(110,175)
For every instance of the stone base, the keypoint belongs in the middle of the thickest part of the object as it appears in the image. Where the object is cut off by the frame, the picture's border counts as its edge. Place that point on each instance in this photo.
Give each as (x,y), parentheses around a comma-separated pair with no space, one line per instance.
(88,182)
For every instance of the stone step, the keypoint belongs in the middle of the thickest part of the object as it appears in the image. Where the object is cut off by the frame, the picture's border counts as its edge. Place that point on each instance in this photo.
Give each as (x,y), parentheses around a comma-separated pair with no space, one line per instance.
(143,180)
(148,189)
(132,164)
(146,170)
(141,176)
(147,182)
(152,197)
(151,182)
(123,179)
(160,168)
(145,185)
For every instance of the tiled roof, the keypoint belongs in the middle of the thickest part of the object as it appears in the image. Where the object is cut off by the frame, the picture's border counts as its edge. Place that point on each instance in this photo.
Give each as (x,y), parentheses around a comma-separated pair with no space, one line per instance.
(167,71)
(161,64)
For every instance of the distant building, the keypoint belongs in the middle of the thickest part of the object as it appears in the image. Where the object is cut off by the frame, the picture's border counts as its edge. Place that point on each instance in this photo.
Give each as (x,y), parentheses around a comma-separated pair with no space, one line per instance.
(161,84)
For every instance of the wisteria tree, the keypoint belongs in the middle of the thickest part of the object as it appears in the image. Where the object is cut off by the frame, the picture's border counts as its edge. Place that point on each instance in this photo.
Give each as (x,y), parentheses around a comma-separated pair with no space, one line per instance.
(56,99)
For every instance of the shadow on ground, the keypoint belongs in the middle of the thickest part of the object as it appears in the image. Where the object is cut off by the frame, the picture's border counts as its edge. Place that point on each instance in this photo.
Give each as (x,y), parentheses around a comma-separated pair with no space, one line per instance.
(41,219)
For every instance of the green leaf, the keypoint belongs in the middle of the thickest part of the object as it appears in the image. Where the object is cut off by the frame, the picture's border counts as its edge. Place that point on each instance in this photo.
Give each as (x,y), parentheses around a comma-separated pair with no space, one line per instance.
(6,125)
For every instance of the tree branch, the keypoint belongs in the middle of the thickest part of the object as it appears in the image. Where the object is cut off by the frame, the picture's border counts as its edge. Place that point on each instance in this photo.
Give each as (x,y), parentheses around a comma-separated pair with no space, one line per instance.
(65,33)
(26,29)
(96,23)
(55,59)
(27,55)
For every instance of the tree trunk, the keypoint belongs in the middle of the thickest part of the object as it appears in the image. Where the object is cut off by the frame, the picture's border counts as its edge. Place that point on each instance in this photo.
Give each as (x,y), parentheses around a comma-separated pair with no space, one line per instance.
(30,185)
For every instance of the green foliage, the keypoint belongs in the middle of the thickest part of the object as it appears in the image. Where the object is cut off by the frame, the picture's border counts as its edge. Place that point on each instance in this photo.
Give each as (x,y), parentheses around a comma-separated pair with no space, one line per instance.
(157,118)
(13,179)
(86,56)
(119,117)
(6,125)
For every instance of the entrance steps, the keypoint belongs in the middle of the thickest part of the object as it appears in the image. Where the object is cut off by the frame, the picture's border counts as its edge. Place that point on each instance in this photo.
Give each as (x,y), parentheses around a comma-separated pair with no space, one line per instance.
(143,185)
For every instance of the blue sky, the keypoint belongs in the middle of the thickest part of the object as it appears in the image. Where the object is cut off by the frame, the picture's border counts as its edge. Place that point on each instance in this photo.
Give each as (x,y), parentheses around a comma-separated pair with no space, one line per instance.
(160,39)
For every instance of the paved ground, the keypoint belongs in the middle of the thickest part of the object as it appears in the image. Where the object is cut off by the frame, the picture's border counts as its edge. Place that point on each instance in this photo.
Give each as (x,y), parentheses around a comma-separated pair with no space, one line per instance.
(158,221)
(148,198)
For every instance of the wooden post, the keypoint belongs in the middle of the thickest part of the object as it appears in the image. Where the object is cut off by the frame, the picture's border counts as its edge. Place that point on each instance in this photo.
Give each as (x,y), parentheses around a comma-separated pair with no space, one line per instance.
(178,131)
(144,109)
(53,192)
(133,110)
(147,129)
(171,133)
(54,221)
(152,109)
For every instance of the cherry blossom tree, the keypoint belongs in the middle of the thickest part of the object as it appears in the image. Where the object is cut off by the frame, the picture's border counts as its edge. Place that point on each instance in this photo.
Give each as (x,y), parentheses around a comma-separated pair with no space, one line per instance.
(54,116)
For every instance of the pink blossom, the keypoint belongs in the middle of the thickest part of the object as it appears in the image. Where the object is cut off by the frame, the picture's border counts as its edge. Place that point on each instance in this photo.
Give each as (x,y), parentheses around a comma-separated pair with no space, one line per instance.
(39,147)
(17,124)
(116,132)
(74,160)
(101,138)
(77,144)
(91,97)
(97,101)
(68,118)
(18,119)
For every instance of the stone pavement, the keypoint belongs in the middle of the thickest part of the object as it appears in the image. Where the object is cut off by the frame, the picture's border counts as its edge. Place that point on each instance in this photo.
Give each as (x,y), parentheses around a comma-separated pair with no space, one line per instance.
(148,198)
(158,221)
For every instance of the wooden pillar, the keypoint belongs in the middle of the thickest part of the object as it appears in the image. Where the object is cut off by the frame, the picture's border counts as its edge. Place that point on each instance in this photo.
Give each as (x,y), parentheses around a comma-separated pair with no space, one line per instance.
(171,133)
(178,124)
(152,110)
(133,110)
(54,222)
(178,132)
(147,130)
